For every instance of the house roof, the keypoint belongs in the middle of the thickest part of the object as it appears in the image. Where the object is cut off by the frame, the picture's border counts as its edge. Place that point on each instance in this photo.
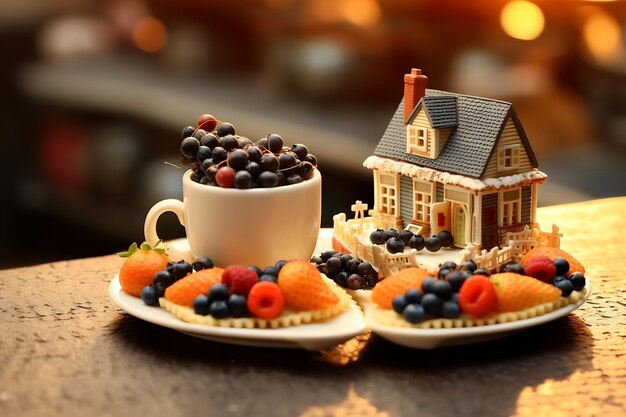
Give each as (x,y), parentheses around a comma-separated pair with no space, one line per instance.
(440,110)
(479,122)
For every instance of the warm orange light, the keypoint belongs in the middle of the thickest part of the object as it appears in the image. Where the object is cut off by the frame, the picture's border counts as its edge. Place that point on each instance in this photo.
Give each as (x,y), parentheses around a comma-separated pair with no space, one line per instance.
(363,13)
(149,34)
(522,20)
(602,36)
(279,4)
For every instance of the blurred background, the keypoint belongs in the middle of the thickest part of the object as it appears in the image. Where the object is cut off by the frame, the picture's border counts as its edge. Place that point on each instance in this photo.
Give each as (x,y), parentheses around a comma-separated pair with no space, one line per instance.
(94,95)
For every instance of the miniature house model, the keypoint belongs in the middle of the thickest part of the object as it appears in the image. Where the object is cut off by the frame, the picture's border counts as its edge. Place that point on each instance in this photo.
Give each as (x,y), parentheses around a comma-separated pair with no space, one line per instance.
(454,162)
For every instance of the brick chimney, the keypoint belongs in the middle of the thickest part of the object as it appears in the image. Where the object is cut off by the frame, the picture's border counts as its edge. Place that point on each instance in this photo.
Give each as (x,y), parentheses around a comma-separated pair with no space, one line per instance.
(414,90)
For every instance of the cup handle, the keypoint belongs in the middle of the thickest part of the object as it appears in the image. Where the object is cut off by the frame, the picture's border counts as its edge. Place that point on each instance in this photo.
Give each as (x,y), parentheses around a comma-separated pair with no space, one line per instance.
(150,225)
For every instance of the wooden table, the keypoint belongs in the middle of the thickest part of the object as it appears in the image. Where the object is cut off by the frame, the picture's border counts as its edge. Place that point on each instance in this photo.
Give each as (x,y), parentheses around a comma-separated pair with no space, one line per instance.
(66,349)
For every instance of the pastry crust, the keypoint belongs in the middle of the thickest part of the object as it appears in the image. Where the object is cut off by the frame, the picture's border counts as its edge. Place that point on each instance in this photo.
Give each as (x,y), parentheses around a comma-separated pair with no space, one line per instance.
(289,317)
(391,318)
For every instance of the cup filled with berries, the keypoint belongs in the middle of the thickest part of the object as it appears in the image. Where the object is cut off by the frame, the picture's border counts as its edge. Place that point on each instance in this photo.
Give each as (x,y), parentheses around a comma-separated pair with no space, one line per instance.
(244,202)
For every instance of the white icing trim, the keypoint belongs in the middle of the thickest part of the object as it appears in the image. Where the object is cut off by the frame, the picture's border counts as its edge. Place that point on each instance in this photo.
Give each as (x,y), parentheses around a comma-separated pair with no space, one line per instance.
(431,175)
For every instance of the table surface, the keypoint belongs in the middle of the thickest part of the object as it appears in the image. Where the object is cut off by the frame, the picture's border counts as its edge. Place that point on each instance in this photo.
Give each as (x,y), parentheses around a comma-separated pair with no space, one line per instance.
(66,349)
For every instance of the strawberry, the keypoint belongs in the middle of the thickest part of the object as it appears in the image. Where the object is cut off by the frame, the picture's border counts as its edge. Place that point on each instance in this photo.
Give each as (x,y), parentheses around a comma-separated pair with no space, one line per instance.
(265,300)
(304,288)
(397,284)
(540,267)
(185,290)
(553,253)
(477,296)
(518,292)
(239,279)
(140,266)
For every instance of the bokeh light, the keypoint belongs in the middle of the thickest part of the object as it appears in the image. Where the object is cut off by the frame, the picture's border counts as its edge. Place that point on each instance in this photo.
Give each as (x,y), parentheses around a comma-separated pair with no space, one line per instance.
(522,20)
(149,34)
(602,37)
(362,13)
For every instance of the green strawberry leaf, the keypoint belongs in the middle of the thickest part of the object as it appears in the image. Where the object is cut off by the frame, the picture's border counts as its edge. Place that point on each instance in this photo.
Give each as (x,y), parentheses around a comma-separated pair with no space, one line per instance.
(131,249)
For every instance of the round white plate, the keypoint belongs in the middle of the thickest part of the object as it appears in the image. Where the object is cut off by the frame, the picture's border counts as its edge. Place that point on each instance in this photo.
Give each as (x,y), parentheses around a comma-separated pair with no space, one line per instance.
(314,336)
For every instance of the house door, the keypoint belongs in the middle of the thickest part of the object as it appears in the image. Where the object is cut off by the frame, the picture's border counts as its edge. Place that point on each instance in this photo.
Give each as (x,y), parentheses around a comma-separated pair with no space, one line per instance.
(459,226)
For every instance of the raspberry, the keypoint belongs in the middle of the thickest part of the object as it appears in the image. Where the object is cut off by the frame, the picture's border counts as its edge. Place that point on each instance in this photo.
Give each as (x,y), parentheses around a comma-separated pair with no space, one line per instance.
(553,253)
(518,292)
(397,284)
(239,279)
(265,300)
(185,291)
(478,296)
(303,287)
(540,267)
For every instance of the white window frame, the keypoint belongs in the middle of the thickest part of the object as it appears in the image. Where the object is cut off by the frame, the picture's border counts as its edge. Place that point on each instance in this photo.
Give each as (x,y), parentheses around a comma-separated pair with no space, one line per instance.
(422,201)
(511,161)
(388,194)
(511,209)
(417,139)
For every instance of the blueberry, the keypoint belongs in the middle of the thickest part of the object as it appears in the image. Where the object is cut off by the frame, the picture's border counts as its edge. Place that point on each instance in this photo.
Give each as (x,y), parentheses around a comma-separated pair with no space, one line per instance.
(279,264)
(237,305)
(433,244)
(202,263)
(199,134)
(405,236)
(218,292)
(201,305)
(342,279)
(254,153)
(268,179)
(164,278)
(333,266)
(558,279)
(413,296)
(442,289)
(482,271)
(287,160)
(243,179)
(443,272)
(446,238)
(414,313)
(203,154)
(219,154)
(345,258)
(565,286)
(225,129)
(274,142)
(206,164)
(398,303)
(389,233)
(181,270)
(237,159)
(159,289)
(417,242)
(188,131)
(256,269)
(427,285)
(377,237)
(253,168)
(243,142)
(282,180)
(301,151)
(432,304)
(210,141)
(562,266)
(449,264)
(269,162)
(189,147)
(470,266)
(395,245)
(456,280)
(322,268)
(293,179)
(514,267)
(578,281)
(366,268)
(352,266)
(316,260)
(328,254)
(229,142)
(310,158)
(267,277)
(450,310)
(218,309)
(355,282)
(197,176)
(149,295)
(455,297)
(270,270)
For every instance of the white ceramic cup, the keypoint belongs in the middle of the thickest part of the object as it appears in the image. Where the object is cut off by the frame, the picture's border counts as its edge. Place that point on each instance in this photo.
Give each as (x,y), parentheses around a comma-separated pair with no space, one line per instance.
(258,226)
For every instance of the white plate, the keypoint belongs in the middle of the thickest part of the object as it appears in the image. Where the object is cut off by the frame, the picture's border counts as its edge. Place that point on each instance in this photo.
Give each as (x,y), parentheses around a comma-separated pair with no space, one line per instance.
(434,338)
(314,336)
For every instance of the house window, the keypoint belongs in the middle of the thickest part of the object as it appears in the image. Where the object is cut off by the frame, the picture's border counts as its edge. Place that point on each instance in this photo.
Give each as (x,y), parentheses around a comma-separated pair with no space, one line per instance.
(511,207)
(422,197)
(508,157)
(388,193)
(417,139)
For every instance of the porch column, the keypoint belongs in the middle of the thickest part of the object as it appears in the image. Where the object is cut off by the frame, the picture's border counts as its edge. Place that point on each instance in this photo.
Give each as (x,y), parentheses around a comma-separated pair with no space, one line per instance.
(533,199)
(477,223)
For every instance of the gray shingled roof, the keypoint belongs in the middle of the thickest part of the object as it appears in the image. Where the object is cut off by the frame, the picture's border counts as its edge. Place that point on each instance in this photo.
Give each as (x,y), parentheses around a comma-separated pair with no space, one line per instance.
(479,124)
(440,110)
